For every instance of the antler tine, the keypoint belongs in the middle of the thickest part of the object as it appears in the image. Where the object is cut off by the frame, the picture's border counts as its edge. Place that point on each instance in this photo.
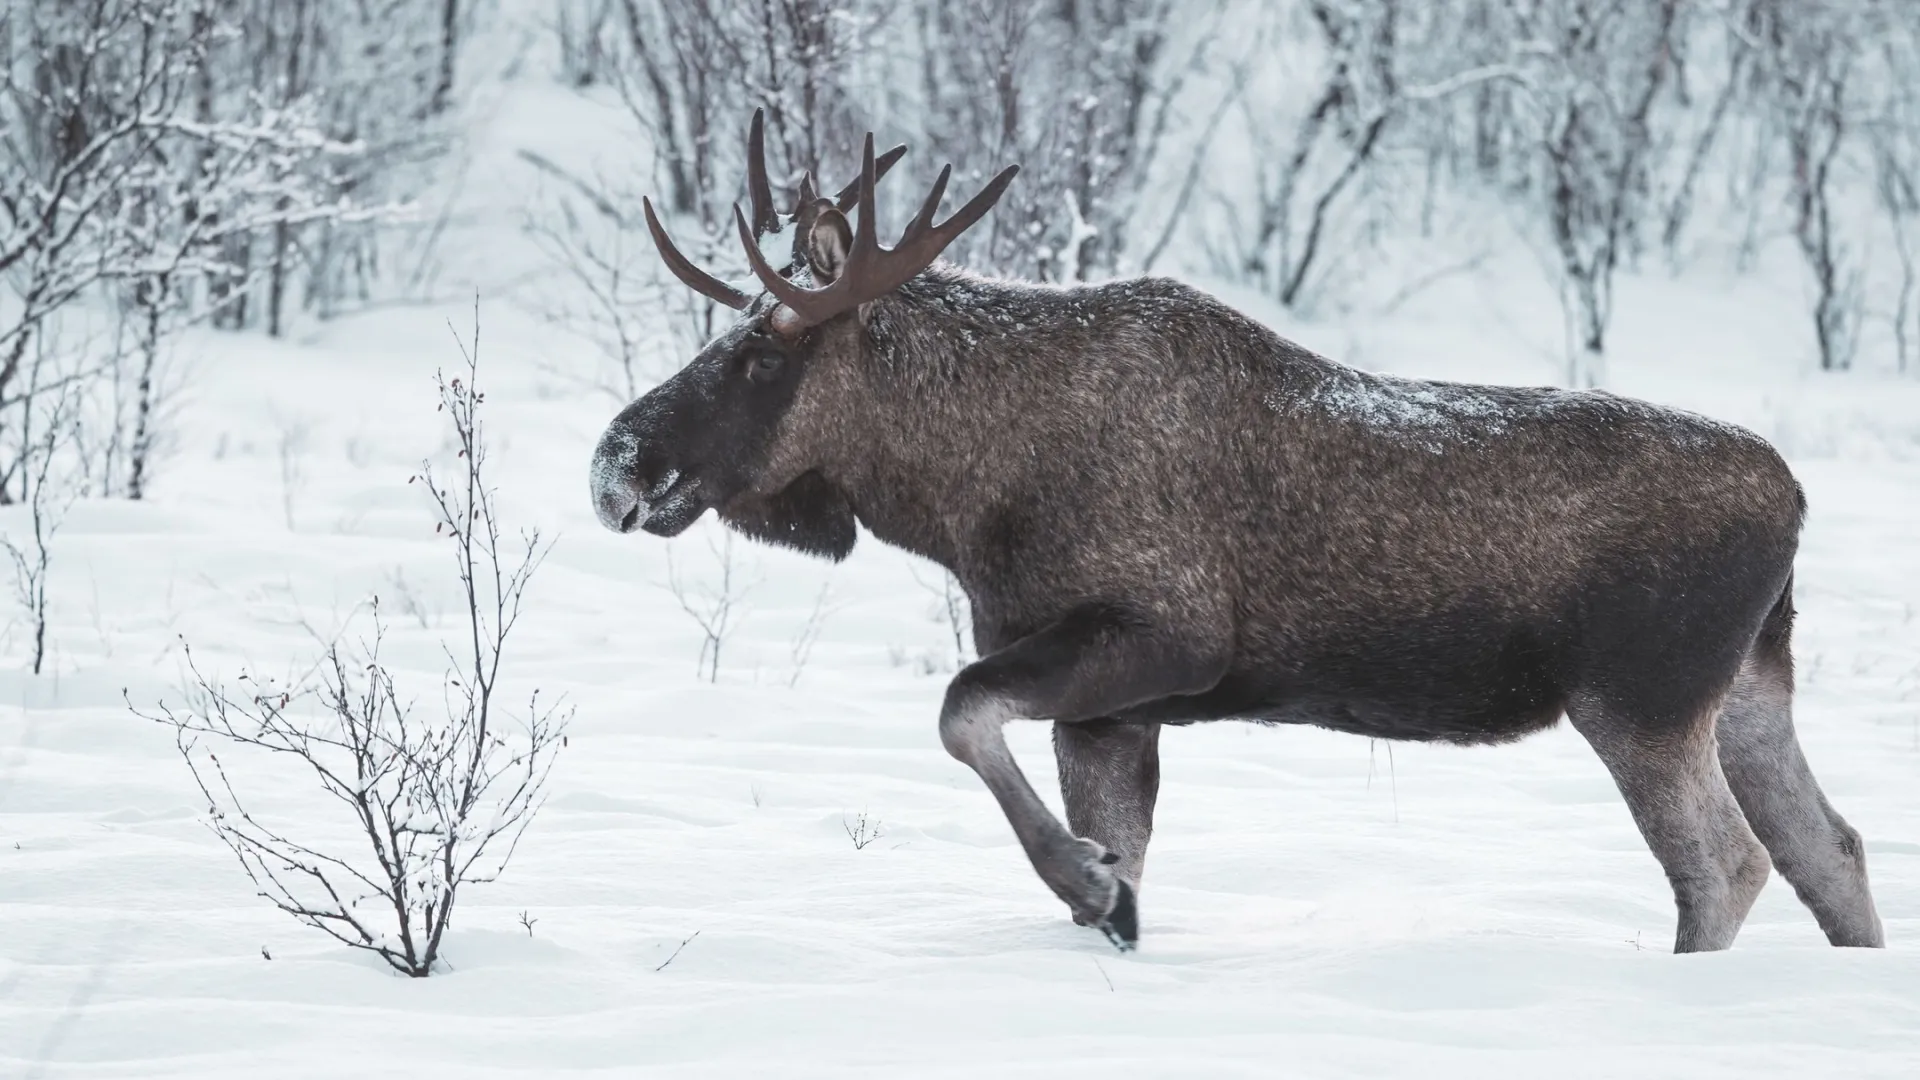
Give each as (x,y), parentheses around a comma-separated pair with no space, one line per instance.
(845,199)
(923,220)
(963,218)
(690,275)
(866,231)
(759,193)
(870,270)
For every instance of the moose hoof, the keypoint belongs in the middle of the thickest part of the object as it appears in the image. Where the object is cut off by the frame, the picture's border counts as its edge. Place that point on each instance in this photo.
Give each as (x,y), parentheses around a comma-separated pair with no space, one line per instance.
(1100,898)
(1122,924)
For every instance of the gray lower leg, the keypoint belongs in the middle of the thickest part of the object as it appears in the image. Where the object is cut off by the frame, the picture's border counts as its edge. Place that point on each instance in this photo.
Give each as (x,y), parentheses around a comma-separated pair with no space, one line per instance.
(1681,802)
(1095,661)
(1109,781)
(1078,871)
(1811,845)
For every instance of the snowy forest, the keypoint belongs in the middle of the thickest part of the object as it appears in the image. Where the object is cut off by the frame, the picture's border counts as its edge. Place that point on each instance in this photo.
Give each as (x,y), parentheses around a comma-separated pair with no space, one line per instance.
(240,165)
(236,433)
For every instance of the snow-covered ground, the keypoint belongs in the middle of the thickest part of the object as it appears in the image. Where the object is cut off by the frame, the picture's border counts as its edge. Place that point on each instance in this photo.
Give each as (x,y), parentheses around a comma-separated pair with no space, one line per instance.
(1315,906)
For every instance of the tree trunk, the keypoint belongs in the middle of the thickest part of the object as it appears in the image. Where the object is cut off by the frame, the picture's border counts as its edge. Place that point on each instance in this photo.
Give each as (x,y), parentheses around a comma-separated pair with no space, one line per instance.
(449,46)
(277,274)
(1587,367)
(141,447)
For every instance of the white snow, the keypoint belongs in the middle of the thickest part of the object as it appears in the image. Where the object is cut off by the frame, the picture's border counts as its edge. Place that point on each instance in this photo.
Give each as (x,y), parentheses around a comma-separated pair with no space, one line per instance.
(1315,906)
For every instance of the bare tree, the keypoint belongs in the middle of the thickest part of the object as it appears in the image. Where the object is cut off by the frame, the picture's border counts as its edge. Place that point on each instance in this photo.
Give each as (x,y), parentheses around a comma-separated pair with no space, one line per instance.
(1808,57)
(1383,79)
(449,50)
(1894,143)
(688,69)
(1595,95)
(1609,121)
(374,76)
(583,28)
(102,82)
(1709,132)
(1088,95)
(125,172)
(1894,190)
(1296,190)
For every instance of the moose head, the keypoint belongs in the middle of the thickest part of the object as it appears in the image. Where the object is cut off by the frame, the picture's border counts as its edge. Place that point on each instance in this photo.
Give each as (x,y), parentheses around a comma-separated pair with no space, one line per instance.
(722,433)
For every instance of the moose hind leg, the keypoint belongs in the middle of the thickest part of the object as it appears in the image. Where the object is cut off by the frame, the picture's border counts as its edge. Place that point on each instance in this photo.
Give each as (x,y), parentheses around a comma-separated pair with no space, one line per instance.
(1671,780)
(1109,781)
(1812,846)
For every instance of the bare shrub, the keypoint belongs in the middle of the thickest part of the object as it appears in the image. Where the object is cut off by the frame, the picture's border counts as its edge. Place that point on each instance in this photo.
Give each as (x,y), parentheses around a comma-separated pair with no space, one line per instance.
(952,612)
(49,423)
(411,603)
(440,800)
(714,605)
(613,297)
(862,830)
(802,650)
(292,451)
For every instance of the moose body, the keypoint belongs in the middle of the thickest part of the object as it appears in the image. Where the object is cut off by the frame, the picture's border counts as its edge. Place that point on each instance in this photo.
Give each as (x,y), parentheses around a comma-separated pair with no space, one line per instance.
(1162,513)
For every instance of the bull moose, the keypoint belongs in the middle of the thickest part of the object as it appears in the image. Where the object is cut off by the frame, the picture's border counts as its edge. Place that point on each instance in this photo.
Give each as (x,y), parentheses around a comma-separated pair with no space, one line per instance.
(1162,512)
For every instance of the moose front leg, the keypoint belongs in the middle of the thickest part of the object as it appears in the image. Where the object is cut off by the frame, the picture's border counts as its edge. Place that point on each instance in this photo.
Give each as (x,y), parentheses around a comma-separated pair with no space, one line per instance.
(1109,782)
(1096,662)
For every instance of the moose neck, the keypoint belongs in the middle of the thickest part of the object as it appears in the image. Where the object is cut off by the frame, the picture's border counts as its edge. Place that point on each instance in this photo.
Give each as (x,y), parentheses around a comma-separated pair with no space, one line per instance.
(948,366)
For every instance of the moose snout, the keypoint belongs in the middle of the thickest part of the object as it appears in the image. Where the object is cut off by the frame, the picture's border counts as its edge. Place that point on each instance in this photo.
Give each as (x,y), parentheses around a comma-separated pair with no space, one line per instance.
(619,492)
(617,507)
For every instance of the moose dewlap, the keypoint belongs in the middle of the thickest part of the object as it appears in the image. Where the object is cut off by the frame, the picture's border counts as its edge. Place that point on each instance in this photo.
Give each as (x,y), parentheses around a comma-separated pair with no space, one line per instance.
(1164,513)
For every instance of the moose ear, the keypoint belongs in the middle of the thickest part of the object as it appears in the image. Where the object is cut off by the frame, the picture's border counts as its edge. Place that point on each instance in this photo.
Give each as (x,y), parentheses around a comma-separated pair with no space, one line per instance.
(828,242)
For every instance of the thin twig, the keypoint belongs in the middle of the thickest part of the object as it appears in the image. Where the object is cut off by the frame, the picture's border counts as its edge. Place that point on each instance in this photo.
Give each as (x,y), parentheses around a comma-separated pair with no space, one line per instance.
(676,952)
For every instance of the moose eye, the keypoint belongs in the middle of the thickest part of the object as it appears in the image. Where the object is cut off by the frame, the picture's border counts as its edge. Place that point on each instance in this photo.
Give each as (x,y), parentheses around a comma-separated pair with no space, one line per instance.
(762,366)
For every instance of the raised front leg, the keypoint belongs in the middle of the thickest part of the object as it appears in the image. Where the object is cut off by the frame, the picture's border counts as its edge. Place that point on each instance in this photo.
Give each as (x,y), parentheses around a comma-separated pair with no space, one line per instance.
(1096,662)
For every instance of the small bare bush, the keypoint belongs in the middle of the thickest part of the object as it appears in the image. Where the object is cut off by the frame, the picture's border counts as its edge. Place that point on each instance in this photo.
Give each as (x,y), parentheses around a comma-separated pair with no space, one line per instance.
(952,611)
(48,495)
(715,603)
(802,649)
(862,830)
(440,800)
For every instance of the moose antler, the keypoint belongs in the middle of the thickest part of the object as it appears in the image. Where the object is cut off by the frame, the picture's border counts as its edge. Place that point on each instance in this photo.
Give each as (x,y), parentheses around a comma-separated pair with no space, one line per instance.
(765,219)
(872,271)
(760,193)
(690,275)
